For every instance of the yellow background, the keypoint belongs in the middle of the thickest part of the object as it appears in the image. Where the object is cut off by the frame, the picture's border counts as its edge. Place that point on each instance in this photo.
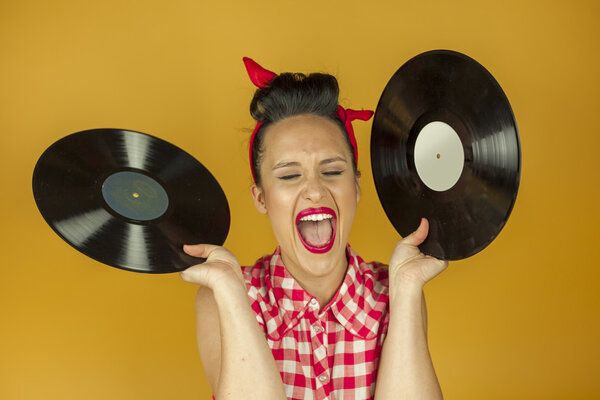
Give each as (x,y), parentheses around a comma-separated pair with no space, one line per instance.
(517,321)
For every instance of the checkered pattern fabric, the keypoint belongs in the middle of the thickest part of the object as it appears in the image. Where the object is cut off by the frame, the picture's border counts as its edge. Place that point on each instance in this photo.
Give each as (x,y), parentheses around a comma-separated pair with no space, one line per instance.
(329,352)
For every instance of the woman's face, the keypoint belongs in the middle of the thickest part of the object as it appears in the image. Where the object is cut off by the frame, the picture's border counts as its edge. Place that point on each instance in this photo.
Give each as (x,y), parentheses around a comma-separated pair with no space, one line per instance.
(310,192)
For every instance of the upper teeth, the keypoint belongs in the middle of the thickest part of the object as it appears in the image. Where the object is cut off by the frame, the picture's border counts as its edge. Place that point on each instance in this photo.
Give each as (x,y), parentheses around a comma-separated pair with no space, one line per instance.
(316,217)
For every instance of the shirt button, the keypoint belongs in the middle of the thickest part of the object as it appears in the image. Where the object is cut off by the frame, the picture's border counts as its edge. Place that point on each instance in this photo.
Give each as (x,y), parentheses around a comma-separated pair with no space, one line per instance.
(322,378)
(316,328)
(314,302)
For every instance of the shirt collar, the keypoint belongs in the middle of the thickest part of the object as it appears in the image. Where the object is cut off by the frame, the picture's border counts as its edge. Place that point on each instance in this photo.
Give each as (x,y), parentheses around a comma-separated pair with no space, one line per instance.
(358,305)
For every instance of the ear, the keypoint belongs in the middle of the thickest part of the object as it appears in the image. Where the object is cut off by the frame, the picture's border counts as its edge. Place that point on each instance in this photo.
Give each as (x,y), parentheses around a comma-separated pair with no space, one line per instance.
(357,182)
(259,198)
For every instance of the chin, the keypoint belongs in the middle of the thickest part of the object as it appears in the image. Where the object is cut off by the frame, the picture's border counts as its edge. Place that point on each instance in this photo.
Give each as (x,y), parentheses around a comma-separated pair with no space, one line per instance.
(321,264)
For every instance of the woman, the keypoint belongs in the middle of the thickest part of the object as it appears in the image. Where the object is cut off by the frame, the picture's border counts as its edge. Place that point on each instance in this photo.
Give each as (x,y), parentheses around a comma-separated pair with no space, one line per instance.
(330,326)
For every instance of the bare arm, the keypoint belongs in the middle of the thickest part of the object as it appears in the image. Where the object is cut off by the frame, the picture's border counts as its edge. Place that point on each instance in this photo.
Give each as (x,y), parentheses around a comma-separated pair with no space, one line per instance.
(405,368)
(233,349)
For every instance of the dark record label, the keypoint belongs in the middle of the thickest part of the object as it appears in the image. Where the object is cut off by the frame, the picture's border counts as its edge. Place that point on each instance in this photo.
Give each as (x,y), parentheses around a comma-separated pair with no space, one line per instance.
(129,200)
(135,196)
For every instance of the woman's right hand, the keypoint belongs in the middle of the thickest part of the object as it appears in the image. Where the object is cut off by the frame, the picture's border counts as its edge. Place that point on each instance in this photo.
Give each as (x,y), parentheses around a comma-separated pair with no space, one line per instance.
(220,268)
(232,345)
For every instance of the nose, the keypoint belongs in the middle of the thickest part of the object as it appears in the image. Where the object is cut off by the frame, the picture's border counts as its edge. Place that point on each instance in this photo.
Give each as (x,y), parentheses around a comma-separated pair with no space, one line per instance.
(314,189)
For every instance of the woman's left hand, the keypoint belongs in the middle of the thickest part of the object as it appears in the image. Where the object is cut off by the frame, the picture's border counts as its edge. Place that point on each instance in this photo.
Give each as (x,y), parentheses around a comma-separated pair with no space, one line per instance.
(408,266)
(405,367)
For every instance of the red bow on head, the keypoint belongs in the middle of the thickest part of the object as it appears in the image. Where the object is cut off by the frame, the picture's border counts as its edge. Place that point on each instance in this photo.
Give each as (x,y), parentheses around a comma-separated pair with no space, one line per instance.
(262,77)
(258,75)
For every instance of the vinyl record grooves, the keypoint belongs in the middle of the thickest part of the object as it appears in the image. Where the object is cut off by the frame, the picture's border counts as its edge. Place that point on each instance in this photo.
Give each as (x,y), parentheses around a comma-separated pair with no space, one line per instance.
(445,146)
(129,200)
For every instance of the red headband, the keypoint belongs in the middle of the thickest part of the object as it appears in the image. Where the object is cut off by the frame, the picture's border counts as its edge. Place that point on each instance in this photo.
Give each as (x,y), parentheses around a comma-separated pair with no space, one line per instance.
(261,78)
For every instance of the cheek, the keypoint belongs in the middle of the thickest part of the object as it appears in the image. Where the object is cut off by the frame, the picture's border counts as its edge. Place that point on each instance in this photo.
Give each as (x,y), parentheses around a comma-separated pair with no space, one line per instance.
(349,199)
(280,210)
(280,207)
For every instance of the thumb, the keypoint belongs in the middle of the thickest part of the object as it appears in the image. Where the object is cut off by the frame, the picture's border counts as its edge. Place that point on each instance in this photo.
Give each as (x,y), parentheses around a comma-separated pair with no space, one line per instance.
(417,237)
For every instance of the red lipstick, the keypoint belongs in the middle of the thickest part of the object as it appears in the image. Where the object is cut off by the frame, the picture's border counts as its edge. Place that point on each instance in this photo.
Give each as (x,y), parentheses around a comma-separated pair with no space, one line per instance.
(312,211)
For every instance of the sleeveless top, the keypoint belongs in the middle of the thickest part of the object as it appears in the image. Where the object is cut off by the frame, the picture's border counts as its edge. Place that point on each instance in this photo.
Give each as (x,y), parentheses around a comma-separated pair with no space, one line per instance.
(322,353)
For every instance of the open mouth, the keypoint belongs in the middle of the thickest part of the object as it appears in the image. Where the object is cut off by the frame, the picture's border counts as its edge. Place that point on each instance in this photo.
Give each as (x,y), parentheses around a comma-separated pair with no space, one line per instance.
(316,228)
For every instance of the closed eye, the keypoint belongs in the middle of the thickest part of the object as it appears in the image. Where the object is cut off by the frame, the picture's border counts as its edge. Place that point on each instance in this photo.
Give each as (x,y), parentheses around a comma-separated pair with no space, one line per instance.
(330,173)
(288,177)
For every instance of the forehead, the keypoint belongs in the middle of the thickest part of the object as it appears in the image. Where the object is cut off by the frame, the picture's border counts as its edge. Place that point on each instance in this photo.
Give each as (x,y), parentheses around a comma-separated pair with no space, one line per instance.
(304,135)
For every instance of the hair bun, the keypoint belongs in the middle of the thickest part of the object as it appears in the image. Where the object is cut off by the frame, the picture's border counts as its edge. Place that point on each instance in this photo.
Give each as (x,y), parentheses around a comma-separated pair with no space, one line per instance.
(291,94)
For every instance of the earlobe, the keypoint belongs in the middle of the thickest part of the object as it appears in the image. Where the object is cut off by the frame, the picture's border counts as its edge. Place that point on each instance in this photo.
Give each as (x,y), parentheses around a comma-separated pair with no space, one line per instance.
(357,189)
(259,199)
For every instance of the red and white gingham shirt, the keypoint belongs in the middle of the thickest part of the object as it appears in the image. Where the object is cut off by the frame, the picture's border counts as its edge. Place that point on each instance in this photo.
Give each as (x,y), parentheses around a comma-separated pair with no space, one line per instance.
(332,353)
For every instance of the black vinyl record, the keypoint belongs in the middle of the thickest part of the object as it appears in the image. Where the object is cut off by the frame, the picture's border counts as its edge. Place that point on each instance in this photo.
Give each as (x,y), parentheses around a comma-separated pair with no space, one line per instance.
(129,200)
(445,146)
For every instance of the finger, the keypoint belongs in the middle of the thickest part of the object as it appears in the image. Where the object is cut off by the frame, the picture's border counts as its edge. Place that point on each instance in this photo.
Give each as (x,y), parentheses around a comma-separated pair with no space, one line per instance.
(199,250)
(418,236)
(193,274)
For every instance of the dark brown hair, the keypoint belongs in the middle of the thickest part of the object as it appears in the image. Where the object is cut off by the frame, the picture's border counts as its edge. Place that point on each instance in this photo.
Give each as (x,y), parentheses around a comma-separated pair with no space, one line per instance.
(291,94)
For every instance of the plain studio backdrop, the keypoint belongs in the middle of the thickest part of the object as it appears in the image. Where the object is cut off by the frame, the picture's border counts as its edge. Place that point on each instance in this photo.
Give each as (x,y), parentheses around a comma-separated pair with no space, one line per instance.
(516,321)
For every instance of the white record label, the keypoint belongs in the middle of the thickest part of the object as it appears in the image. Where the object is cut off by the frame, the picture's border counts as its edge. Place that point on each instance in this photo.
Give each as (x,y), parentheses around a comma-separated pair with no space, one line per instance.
(439,156)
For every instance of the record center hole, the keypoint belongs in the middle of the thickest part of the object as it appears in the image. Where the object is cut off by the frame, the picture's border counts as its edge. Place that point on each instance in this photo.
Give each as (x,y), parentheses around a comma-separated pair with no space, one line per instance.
(135,195)
(438,155)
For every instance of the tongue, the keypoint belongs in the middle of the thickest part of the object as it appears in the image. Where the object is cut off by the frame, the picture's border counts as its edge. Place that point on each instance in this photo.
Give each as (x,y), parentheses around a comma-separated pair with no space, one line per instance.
(316,233)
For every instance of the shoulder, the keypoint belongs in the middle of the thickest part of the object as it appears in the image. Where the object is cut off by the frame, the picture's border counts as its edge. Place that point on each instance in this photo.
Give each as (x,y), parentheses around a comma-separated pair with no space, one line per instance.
(256,276)
(374,273)
(258,285)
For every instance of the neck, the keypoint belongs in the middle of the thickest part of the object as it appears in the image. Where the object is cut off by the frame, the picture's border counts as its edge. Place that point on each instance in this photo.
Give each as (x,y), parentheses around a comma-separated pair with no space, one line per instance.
(322,287)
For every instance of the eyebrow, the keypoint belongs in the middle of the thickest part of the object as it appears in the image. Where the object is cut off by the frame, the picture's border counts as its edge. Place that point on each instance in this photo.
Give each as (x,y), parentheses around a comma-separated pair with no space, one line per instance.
(296,163)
